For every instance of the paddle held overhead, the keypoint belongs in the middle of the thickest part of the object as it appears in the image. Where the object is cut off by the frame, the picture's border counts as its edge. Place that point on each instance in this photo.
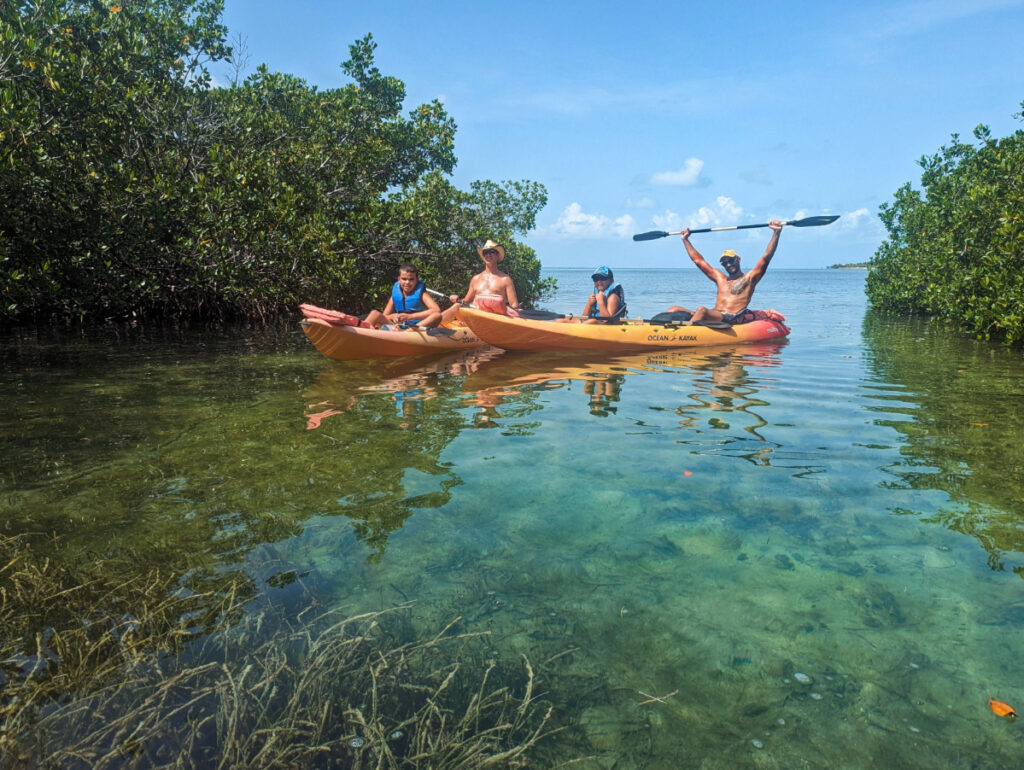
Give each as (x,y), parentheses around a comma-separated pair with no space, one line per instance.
(807,222)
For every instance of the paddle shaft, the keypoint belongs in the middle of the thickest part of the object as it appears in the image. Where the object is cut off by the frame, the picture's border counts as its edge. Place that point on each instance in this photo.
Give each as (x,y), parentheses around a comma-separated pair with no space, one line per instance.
(807,222)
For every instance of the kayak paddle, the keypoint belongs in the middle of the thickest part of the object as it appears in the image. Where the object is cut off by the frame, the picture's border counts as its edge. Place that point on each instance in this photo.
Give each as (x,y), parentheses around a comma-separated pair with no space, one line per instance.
(807,222)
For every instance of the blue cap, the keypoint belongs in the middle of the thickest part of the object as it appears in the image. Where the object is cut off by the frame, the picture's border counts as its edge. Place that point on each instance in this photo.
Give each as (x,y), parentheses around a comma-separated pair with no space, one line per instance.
(602,273)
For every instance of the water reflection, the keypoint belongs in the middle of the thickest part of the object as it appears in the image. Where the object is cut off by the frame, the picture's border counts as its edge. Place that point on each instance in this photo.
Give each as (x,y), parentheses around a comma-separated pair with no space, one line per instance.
(517,374)
(727,390)
(956,403)
(721,379)
(407,381)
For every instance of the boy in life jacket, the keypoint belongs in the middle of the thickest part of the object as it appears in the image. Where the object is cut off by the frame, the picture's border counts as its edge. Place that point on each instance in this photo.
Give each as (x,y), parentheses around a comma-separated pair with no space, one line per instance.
(491,289)
(409,304)
(607,303)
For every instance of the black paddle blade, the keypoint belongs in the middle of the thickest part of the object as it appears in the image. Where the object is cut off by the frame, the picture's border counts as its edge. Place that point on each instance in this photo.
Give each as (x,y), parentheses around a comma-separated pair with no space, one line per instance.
(813,221)
(652,235)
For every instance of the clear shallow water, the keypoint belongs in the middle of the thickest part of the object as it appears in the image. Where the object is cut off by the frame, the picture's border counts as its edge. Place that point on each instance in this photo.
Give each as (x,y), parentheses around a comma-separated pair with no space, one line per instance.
(824,531)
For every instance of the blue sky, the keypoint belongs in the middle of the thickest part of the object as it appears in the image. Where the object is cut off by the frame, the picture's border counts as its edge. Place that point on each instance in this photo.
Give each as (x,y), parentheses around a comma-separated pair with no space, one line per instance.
(657,115)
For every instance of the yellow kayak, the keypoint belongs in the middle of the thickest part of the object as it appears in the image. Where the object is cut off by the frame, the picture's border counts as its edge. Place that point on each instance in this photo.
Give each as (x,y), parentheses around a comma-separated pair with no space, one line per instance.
(521,334)
(344,342)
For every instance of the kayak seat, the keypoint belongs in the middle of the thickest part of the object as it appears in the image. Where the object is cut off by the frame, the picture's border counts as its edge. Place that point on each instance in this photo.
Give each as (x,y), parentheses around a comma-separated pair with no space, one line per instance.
(683,316)
(539,315)
(678,317)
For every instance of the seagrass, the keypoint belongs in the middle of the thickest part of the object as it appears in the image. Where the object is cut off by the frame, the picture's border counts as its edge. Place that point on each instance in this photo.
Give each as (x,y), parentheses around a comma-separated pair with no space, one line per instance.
(251,689)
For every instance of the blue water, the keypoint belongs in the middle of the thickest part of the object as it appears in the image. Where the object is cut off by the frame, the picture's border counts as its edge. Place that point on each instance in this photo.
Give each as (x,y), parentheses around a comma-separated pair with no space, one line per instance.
(798,554)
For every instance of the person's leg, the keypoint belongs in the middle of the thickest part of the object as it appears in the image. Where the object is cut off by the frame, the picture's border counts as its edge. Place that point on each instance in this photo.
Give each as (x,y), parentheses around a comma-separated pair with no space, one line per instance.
(448,315)
(376,318)
(705,314)
(677,309)
(430,321)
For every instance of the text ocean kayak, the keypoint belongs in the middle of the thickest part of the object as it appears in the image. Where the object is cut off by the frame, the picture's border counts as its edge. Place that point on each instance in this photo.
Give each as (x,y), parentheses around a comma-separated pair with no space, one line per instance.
(522,334)
(344,342)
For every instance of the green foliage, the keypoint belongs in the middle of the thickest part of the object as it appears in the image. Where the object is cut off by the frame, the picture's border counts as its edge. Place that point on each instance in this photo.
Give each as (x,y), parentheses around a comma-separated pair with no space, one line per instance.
(97,118)
(133,188)
(956,249)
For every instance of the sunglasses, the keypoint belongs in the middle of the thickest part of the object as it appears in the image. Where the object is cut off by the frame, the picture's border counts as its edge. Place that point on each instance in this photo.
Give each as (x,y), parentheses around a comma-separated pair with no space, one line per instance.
(488,252)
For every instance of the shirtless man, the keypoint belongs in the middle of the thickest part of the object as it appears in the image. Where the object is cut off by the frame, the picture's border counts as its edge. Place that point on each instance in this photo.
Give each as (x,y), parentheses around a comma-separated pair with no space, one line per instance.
(490,290)
(735,288)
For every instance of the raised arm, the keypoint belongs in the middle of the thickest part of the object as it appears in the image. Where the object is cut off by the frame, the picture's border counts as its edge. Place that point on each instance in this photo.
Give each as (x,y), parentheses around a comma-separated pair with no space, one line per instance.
(697,258)
(758,271)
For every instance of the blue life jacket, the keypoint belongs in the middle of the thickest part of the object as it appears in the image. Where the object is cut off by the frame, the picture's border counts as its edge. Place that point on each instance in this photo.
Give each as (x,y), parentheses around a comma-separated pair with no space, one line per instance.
(595,311)
(411,304)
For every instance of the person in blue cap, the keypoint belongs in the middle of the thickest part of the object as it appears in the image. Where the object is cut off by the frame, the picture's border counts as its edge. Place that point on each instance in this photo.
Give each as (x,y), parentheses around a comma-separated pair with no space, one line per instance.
(608,302)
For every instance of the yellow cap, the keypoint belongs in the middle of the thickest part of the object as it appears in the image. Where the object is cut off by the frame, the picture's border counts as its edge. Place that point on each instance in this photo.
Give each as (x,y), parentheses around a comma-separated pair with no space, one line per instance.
(729,253)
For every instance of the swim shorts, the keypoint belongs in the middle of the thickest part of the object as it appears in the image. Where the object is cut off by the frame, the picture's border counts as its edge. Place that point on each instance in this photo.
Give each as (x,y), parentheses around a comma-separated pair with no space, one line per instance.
(746,315)
(494,303)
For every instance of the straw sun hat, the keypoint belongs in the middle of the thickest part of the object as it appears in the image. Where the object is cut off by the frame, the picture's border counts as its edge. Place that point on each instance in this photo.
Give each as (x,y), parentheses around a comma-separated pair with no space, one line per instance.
(492,245)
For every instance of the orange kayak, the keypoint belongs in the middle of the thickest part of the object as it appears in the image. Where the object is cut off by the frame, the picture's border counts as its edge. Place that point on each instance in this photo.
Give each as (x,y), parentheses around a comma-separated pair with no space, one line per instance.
(523,334)
(344,342)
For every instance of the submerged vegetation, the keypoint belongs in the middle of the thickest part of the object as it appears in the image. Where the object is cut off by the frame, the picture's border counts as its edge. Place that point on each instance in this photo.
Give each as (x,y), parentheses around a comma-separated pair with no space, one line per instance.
(956,248)
(87,684)
(133,187)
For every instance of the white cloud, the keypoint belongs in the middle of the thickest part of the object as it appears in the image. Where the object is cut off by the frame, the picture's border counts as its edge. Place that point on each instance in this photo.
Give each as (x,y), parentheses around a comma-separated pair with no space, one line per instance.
(574,222)
(724,212)
(624,225)
(854,219)
(670,220)
(861,224)
(687,176)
